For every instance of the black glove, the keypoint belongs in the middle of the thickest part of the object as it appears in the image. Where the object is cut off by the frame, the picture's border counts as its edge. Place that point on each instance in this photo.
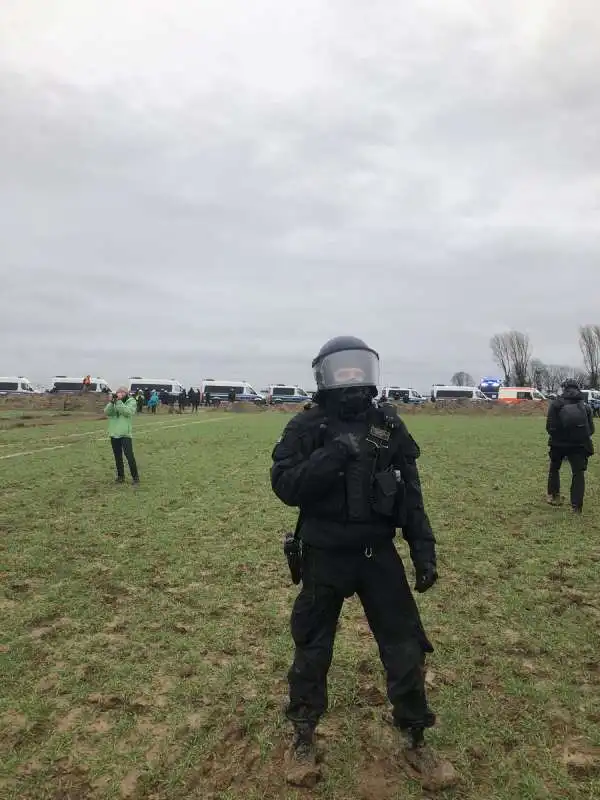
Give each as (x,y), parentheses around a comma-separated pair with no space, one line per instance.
(350,443)
(426,577)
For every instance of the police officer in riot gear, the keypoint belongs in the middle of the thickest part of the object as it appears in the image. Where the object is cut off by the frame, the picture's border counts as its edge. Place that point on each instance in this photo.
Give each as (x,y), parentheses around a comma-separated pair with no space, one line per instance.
(350,467)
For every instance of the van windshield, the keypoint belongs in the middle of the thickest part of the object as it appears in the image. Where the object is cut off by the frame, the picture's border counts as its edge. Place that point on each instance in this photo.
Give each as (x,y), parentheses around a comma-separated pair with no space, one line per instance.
(68,386)
(454,393)
(160,387)
(215,388)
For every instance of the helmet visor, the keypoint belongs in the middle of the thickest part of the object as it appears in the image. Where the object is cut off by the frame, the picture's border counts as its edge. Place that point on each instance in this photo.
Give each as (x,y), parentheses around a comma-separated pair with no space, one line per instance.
(347,368)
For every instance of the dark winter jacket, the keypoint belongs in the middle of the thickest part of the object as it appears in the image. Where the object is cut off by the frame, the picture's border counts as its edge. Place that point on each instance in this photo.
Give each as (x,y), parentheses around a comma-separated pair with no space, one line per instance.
(313,472)
(558,436)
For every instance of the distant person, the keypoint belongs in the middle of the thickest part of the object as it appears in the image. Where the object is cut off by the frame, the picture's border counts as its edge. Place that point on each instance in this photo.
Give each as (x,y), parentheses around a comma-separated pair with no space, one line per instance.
(86,383)
(570,426)
(194,399)
(139,399)
(153,401)
(232,395)
(120,412)
(182,400)
(207,399)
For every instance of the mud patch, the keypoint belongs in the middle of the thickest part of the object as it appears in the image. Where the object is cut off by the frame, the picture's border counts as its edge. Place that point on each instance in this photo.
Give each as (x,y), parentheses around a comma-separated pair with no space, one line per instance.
(70,720)
(69,781)
(375,785)
(99,726)
(108,702)
(13,727)
(581,760)
(130,784)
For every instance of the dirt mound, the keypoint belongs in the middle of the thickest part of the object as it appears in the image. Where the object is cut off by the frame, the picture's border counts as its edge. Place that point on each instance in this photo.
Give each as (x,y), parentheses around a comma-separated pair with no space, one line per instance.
(524,408)
(527,408)
(89,402)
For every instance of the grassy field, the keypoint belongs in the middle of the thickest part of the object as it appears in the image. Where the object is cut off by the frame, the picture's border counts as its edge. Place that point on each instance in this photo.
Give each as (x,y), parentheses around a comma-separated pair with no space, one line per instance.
(145,641)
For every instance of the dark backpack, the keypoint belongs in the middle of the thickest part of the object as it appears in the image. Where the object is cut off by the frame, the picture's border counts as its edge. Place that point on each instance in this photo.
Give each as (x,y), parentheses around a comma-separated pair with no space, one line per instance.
(574,420)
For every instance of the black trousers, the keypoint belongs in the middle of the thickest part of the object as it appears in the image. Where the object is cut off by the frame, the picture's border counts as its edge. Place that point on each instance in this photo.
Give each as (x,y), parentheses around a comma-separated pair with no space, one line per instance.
(578,459)
(379,580)
(120,445)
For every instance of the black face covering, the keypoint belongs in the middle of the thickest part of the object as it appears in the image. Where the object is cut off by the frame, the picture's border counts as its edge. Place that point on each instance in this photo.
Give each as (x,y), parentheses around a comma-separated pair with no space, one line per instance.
(350,402)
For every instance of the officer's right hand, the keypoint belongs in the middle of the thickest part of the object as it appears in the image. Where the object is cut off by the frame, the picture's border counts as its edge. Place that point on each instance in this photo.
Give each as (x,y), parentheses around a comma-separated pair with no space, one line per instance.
(350,443)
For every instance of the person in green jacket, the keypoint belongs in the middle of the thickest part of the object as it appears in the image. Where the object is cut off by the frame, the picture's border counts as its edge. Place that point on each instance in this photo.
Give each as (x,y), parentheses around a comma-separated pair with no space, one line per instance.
(120,412)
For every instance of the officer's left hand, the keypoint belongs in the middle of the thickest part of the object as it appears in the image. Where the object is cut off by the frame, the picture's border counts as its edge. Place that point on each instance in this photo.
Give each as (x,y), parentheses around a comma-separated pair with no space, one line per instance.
(426,577)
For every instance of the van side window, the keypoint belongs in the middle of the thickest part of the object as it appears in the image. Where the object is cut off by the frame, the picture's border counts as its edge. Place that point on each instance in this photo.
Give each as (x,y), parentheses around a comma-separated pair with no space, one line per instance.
(524,396)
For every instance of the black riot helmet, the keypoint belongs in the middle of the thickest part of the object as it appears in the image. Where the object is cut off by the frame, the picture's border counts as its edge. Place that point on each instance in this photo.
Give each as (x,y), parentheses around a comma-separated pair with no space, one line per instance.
(346,362)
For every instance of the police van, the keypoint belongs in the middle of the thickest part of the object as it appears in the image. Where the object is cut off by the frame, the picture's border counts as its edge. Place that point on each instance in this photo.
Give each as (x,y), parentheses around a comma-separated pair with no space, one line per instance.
(219,391)
(61,384)
(402,395)
(16,385)
(458,393)
(590,396)
(283,393)
(168,386)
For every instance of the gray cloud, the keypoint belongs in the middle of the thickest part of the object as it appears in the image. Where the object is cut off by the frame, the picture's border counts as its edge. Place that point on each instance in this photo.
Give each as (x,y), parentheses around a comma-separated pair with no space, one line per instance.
(191,192)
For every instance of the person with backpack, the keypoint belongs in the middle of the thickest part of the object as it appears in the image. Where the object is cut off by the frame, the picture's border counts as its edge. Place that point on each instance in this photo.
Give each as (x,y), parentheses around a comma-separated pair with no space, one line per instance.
(570,426)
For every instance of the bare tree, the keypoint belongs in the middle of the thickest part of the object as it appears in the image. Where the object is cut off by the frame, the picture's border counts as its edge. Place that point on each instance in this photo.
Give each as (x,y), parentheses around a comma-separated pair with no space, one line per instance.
(540,375)
(589,343)
(520,356)
(500,344)
(462,379)
(582,377)
(556,374)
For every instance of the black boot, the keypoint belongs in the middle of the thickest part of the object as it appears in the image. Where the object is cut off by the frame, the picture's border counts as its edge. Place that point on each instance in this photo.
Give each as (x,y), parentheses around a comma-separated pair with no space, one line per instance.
(434,772)
(303,745)
(415,737)
(302,768)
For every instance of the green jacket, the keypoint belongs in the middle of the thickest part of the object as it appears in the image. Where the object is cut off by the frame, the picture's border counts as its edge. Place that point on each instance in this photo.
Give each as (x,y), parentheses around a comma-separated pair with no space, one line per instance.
(119,416)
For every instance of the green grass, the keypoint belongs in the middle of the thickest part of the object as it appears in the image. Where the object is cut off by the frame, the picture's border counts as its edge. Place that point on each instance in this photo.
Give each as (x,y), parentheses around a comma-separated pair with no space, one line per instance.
(145,640)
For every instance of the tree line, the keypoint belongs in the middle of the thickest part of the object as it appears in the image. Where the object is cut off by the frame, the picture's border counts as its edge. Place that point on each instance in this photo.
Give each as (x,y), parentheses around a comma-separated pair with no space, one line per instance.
(513,353)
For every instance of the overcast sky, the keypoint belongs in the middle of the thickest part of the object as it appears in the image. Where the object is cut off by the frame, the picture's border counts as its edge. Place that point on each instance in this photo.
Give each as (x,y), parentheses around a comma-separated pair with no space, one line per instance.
(199,189)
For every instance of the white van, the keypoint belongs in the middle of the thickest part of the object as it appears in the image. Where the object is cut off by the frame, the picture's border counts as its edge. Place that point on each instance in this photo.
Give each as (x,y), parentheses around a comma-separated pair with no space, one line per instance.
(458,393)
(169,386)
(402,395)
(16,385)
(590,396)
(516,394)
(284,393)
(61,384)
(219,391)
